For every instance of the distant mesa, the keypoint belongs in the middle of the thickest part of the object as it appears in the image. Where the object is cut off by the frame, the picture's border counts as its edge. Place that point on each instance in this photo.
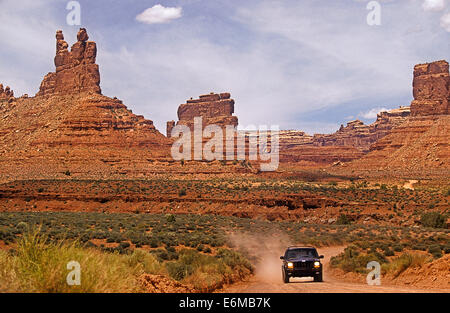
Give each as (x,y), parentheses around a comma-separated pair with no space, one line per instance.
(76,70)
(362,136)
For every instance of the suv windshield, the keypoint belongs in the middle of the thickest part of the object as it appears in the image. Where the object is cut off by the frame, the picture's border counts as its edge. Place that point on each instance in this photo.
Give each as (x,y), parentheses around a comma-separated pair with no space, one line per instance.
(301,253)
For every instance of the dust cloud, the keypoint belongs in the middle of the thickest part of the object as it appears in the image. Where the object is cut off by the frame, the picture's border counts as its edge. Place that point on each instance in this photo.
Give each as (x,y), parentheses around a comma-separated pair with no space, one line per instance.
(264,250)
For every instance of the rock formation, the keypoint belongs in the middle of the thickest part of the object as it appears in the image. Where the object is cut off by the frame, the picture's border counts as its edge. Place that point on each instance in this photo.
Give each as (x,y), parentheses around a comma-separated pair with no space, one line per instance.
(431,89)
(76,70)
(70,127)
(420,146)
(169,127)
(349,143)
(6,93)
(357,134)
(214,109)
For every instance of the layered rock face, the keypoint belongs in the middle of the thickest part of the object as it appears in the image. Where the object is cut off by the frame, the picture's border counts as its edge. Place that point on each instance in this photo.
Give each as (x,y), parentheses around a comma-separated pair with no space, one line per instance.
(420,146)
(349,143)
(360,136)
(76,70)
(6,93)
(431,89)
(387,120)
(214,109)
(355,134)
(70,127)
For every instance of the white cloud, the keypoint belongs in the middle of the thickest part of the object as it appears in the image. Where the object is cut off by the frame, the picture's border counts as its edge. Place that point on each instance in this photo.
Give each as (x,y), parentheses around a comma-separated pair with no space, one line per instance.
(159,14)
(371,114)
(445,22)
(433,5)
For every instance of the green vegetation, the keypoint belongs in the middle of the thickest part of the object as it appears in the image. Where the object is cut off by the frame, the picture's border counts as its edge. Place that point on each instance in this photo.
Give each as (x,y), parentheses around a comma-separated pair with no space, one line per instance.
(343,220)
(38,265)
(206,272)
(351,260)
(205,233)
(193,249)
(355,257)
(433,219)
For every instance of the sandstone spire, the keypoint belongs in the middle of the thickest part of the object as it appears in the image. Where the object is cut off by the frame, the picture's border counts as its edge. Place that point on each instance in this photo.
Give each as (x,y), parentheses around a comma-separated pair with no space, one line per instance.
(76,70)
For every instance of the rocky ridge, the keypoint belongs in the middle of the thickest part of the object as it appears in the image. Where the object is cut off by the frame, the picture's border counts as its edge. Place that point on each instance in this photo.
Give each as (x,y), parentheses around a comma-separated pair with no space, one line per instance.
(349,143)
(420,146)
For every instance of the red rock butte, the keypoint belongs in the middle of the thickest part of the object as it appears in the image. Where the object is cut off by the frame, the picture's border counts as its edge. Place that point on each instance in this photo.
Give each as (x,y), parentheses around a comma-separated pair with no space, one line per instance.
(431,89)
(69,126)
(215,109)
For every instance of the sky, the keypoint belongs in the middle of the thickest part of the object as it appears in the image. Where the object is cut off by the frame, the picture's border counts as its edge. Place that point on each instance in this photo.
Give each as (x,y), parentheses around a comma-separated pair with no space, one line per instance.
(310,65)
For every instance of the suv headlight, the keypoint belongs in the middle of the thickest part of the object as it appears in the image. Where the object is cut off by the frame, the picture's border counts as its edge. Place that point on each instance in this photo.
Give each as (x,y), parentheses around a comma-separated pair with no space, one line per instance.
(317,264)
(290,265)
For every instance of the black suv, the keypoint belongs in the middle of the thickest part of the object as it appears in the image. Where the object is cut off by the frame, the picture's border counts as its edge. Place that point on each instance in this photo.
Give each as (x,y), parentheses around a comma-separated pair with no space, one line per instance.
(301,262)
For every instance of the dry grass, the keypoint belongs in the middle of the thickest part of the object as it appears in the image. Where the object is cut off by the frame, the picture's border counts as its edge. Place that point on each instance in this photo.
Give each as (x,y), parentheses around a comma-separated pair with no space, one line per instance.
(403,262)
(39,266)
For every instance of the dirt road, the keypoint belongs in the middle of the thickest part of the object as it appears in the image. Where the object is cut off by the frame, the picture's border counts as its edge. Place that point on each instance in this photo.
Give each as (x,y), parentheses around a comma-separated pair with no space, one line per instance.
(268,280)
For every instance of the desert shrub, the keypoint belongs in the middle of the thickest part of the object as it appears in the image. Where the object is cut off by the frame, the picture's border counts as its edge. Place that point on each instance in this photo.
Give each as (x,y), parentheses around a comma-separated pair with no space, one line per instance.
(398,248)
(124,245)
(170,249)
(388,252)
(160,254)
(343,220)
(435,250)
(154,243)
(447,249)
(351,260)
(170,218)
(419,247)
(206,272)
(433,219)
(208,250)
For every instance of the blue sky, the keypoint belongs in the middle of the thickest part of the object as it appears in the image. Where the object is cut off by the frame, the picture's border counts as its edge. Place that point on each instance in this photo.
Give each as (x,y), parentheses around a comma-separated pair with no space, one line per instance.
(310,65)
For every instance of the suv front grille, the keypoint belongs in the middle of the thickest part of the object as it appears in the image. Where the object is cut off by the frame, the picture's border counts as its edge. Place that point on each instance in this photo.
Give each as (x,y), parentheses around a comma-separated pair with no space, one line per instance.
(303,265)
